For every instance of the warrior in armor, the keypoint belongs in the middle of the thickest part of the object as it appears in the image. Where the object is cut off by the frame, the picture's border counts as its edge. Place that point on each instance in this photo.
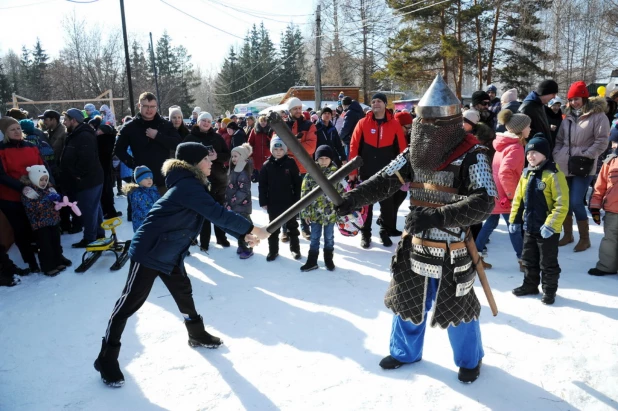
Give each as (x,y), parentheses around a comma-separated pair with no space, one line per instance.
(451,188)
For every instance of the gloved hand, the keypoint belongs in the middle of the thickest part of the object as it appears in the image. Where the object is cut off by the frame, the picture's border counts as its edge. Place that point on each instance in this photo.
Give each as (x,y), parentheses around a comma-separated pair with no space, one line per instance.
(299,136)
(345,208)
(30,193)
(53,197)
(546,231)
(596,215)
(424,218)
(514,228)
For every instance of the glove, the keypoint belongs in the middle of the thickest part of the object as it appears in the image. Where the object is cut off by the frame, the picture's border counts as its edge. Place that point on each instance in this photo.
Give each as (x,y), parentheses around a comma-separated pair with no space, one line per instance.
(596,215)
(424,218)
(53,197)
(30,193)
(546,231)
(514,228)
(299,136)
(345,208)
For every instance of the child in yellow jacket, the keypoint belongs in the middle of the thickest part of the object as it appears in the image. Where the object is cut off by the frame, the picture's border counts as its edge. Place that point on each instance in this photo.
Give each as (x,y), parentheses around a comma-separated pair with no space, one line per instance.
(540,206)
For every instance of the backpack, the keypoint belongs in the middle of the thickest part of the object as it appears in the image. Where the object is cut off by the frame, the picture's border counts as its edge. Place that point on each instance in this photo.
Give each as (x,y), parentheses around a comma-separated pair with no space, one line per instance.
(47,152)
(349,225)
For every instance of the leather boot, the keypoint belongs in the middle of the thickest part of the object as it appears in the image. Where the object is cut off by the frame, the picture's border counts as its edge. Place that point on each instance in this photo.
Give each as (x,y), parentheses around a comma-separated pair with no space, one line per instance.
(107,364)
(567,227)
(584,236)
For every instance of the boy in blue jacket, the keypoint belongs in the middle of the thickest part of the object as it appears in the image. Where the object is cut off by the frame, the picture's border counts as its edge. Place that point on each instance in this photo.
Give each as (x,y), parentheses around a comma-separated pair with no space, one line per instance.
(141,196)
(160,246)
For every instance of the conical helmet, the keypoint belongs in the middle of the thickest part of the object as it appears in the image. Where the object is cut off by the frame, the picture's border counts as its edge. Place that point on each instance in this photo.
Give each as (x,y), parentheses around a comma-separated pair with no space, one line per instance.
(439,101)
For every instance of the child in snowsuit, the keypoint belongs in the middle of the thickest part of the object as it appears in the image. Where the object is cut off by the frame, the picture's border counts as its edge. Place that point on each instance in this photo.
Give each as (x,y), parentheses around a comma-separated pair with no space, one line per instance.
(238,190)
(159,247)
(38,199)
(321,213)
(279,188)
(540,204)
(141,196)
(606,197)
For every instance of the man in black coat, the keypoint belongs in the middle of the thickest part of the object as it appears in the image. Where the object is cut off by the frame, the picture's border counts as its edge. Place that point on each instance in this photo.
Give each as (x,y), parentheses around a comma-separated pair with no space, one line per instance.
(534,107)
(82,175)
(352,112)
(152,140)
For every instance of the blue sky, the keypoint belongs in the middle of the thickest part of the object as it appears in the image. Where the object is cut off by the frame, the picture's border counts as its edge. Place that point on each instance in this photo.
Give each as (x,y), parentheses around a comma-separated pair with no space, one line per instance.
(30,19)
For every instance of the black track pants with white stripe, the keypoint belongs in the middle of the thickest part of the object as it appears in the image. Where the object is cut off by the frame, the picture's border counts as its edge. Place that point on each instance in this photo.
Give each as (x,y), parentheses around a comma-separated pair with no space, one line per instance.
(138,286)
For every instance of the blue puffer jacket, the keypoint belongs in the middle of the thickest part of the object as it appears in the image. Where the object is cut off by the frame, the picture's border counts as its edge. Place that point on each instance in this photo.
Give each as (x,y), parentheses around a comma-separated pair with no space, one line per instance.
(163,241)
(142,199)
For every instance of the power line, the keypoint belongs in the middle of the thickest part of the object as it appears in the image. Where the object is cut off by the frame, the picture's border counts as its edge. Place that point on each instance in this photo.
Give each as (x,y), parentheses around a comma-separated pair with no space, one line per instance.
(201,21)
(27,5)
(247,12)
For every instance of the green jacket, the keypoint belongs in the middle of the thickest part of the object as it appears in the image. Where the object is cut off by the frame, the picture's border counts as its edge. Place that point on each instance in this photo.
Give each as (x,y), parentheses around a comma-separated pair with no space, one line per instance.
(541,198)
(322,210)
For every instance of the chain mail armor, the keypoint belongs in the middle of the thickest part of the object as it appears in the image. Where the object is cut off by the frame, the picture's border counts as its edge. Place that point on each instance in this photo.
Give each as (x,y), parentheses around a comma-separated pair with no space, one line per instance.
(463,192)
(433,144)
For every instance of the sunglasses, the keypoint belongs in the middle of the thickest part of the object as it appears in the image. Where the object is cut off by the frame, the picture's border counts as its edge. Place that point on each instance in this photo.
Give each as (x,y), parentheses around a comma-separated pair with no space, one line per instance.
(485,103)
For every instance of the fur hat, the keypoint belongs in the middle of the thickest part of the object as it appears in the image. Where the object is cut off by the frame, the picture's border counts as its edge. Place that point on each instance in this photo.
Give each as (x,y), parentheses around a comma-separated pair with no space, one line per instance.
(324,151)
(578,89)
(539,143)
(508,96)
(547,87)
(244,151)
(17,114)
(276,142)
(192,153)
(294,102)
(514,122)
(204,115)
(175,110)
(35,173)
(141,172)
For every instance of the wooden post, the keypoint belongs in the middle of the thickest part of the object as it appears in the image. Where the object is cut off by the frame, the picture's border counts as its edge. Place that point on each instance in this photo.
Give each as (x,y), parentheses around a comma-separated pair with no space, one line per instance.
(111,103)
(15,102)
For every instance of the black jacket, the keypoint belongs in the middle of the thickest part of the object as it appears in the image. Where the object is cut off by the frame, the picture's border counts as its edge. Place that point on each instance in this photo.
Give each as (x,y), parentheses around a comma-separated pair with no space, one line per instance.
(352,115)
(147,151)
(238,139)
(280,184)
(105,144)
(80,168)
(218,171)
(554,119)
(328,135)
(535,109)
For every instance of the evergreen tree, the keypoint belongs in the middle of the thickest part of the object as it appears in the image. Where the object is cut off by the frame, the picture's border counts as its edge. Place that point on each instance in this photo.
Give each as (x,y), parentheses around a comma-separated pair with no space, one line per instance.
(140,70)
(5,87)
(226,81)
(38,82)
(292,58)
(188,79)
(267,56)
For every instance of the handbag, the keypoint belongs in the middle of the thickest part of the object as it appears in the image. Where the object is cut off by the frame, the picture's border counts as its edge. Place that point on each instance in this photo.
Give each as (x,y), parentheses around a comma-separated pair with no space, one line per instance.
(579,165)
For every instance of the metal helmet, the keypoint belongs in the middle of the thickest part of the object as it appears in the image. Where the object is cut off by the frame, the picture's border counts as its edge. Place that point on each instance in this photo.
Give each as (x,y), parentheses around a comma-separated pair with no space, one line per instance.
(438,101)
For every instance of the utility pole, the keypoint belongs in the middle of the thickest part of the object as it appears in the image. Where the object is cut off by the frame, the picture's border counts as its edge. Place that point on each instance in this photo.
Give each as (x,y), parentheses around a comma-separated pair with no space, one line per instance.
(318,74)
(127,59)
(154,70)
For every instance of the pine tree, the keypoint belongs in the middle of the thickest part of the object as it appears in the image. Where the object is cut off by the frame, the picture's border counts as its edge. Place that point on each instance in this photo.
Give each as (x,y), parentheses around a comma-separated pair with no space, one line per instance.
(5,87)
(267,55)
(140,70)
(39,86)
(292,58)
(188,81)
(226,81)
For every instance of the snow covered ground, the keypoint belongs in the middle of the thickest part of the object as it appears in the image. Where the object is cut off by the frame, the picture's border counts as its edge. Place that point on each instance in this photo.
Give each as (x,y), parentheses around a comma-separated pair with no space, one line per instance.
(301,341)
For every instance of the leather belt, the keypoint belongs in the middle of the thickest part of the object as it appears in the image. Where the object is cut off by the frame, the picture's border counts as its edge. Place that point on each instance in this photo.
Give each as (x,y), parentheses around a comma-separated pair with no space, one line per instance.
(427,243)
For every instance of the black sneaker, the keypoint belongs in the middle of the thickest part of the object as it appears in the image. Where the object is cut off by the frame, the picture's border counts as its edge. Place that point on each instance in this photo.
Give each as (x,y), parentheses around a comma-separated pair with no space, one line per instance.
(82,244)
(391,363)
(525,290)
(469,375)
(598,273)
(386,240)
(548,298)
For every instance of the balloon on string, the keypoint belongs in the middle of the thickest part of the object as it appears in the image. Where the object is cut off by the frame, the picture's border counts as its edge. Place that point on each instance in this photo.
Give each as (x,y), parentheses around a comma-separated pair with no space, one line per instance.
(601,91)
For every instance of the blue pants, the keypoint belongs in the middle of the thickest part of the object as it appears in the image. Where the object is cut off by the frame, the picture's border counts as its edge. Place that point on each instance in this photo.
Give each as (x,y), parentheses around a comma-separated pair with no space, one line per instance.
(329,237)
(89,203)
(407,339)
(517,240)
(578,187)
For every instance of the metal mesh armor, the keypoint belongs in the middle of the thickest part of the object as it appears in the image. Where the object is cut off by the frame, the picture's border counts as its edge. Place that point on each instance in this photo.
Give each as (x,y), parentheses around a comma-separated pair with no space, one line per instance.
(431,145)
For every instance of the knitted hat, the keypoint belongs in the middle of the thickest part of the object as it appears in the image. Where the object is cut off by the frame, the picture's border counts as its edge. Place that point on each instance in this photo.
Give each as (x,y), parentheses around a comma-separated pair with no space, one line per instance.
(6,122)
(314,117)
(225,121)
(472,116)
(27,126)
(204,115)
(197,110)
(547,87)
(232,125)
(244,151)
(578,89)
(192,153)
(141,172)
(175,110)
(539,143)
(294,102)
(324,151)
(347,100)
(380,96)
(514,122)
(479,96)
(326,110)
(276,142)
(613,135)
(404,118)
(95,122)
(17,114)
(491,88)
(35,173)
(508,96)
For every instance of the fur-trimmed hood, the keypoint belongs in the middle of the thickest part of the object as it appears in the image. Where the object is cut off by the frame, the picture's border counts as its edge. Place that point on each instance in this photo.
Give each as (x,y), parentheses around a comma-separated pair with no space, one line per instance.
(174,170)
(593,106)
(129,188)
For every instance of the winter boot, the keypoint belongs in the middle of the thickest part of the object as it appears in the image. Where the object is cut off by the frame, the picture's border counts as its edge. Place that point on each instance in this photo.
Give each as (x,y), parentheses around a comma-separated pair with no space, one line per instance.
(391,363)
(469,375)
(65,261)
(328,260)
(567,226)
(8,280)
(244,254)
(33,268)
(597,272)
(486,265)
(386,240)
(273,248)
(295,247)
(107,364)
(584,236)
(549,297)
(525,289)
(312,262)
(198,337)
(365,240)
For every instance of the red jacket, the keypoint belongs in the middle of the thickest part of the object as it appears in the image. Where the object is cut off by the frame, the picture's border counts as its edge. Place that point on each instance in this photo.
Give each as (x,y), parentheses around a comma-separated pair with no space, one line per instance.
(377,145)
(260,142)
(15,156)
(507,167)
(309,139)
